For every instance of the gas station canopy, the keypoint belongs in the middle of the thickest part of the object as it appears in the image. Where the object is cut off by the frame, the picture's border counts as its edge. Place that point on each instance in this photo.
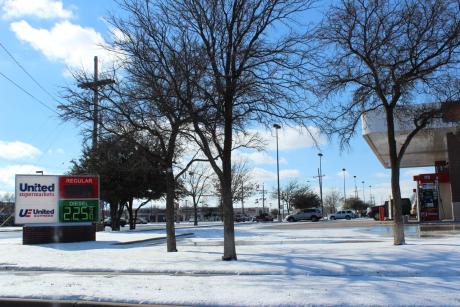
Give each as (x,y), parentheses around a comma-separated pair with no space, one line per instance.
(428,145)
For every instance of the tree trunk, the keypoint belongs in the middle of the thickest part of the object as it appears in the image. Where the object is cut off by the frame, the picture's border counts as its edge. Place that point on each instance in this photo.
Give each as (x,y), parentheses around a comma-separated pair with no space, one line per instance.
(132,221)
(229,228)
(195,212)
(227,204)
(120,209)
(135,217)
(398,228)
(170,229)
(115,225)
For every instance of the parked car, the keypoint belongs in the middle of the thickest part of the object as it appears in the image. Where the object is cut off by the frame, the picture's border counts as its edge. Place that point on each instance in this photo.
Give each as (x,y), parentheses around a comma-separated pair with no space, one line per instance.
(108,222)
(239,217)
(313,214)
(141,220)
(343,214)
(264,217)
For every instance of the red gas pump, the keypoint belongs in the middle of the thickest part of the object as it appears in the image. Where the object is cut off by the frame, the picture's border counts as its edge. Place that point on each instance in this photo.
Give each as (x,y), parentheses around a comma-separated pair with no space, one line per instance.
(428,195)
(382,213)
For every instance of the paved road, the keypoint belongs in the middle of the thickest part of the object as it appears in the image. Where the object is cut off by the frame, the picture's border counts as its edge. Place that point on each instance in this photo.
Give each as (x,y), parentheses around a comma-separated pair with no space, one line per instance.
(10,234)
(365,222)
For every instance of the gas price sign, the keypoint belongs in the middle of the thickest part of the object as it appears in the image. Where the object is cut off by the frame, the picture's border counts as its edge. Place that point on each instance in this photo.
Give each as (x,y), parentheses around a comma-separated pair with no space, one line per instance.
(79,199)
(78,210)
(56,199)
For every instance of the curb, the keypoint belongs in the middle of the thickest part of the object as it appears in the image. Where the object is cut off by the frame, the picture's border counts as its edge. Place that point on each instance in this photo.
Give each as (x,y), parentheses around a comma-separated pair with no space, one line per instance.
(22,302)
(154,239)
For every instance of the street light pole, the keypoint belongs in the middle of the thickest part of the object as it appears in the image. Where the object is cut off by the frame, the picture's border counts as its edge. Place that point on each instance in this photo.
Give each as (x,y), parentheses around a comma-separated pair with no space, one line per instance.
(370,194)
(263,198)
(320,176)
(364,196)
(356,188)
(276,126)
(344,193)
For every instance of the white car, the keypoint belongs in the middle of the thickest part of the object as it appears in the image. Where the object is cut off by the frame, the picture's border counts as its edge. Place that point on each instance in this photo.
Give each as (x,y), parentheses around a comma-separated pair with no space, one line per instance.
(343,214)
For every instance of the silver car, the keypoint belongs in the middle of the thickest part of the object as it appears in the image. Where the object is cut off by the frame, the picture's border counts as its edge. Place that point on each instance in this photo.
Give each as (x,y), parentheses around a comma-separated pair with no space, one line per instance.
(343,214)
(313,214)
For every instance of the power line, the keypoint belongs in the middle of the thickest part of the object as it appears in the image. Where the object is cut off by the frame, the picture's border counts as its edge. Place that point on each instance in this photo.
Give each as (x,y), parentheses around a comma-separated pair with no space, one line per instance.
(32,96)
(26,72)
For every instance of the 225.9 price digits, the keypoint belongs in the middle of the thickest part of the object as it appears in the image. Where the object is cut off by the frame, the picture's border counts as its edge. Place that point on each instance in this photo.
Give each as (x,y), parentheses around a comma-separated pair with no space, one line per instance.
(78,213)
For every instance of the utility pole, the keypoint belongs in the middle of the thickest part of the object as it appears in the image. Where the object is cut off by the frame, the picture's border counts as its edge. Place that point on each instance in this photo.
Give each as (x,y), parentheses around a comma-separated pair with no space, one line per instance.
(263,196)
(94,85)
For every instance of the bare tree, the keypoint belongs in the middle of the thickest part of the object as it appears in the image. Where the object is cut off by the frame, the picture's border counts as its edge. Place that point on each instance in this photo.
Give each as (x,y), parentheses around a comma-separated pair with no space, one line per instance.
(291,192)
(332,200)
(288,192)
(197,185)
(250,76)
(7,198)
(7,209)
(388,54)
(142,107)
(242,185)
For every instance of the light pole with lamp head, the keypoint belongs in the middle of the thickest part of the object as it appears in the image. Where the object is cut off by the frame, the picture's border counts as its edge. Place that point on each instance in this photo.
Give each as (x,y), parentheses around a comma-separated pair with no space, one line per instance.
(370,194)
(320,176)
(364,196)
(344,193)
(276,126)
(356,188)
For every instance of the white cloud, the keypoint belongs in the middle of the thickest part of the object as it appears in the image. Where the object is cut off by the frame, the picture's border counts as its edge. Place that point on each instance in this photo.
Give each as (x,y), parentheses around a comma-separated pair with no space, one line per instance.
(381,175)
(69,43)
(288,173)
(290,138)
(7,174)
(57,151)
(44,9)
(417,171)
(260,157)
(17,150)
(263,175)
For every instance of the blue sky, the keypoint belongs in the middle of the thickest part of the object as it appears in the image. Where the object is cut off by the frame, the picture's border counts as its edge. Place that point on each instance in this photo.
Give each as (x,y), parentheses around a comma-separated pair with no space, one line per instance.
(49,37)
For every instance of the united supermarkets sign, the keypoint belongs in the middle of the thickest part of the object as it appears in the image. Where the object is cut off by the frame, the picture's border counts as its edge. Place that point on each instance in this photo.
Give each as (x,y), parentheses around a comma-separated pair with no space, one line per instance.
(56,199)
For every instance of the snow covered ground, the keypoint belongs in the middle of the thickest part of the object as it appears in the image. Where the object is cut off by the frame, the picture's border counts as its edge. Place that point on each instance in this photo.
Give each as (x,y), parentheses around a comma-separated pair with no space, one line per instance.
(277,266)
